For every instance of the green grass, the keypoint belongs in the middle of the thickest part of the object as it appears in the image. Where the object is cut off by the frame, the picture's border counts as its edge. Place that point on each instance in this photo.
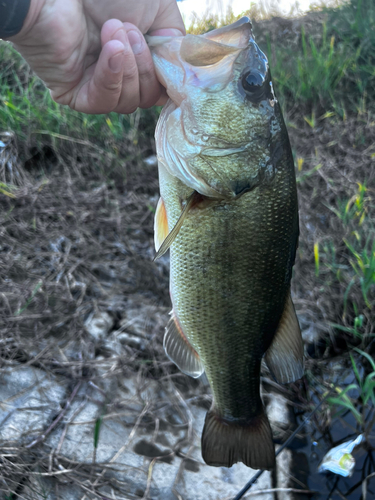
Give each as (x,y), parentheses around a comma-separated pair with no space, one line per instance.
(331,70)
(355,267)
(27,108)
(362,391)
(313,75)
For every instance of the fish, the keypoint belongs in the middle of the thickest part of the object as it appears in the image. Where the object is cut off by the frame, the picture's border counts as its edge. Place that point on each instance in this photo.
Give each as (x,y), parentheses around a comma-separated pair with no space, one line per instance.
(228,213)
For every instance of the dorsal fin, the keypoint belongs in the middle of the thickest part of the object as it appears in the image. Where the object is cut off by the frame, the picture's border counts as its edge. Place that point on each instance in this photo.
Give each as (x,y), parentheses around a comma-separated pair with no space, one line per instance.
(179,350)
(190,202)
(284,357)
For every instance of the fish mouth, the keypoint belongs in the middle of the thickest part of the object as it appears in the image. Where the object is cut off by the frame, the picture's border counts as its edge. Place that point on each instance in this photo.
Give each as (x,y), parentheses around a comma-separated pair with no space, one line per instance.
(237,35)
(203,59)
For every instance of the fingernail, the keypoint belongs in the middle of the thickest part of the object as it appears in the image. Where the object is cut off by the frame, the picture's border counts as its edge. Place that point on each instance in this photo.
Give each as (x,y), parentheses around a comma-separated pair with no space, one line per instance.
(135,41)
(115,63)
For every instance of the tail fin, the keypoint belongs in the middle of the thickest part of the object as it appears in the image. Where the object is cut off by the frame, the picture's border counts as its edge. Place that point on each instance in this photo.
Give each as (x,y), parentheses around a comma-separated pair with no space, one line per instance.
(225,443)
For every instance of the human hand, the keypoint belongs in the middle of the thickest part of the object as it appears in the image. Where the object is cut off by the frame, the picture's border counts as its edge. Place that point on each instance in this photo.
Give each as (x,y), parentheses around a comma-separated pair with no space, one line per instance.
(92,54)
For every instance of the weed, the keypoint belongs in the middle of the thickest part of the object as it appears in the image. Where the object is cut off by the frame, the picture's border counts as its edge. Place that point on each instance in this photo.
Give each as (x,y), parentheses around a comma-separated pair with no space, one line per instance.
(311,121)
(345,402)
(363,390)
(354,208)
(309,173)
(313,73)
(28,302)
(7,189)
(353,23)
(363,264)
(316,257)
(356,330)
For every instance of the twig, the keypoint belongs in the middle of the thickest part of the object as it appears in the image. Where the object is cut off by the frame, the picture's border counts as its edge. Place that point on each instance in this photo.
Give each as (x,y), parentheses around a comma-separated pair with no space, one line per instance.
(342,495)
(364,485)
(42,437)
(149,478)
(281,490)
(63,434)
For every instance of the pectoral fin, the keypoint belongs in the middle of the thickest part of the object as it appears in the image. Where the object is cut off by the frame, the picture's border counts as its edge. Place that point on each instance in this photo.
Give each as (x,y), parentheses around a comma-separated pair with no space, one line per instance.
(179,350)
(190,202)
(160,224)
(284,357)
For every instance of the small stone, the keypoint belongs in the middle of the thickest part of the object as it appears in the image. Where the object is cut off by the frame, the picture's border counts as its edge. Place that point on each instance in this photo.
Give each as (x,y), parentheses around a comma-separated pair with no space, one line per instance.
(130,340)
(151,161)
(99,325)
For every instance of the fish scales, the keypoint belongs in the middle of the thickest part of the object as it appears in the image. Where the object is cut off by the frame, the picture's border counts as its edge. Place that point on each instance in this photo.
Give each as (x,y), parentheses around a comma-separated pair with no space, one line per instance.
(229,207)
(207,268)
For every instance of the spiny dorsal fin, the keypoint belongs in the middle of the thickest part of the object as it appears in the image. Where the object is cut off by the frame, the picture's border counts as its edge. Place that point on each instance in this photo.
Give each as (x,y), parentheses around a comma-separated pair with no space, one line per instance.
(179,350)
(172,235)
(284,357)
(160,224)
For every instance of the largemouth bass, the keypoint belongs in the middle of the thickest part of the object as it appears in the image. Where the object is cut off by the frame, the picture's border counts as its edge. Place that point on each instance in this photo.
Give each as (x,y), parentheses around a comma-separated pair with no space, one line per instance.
(228,211)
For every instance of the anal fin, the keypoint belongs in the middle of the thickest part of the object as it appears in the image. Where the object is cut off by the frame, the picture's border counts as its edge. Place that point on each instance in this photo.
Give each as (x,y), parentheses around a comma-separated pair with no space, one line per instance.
(284,357)
(179,350)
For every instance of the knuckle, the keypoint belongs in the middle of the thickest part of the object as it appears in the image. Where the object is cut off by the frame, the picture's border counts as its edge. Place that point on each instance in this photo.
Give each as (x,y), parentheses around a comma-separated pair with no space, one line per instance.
(130,71)
(146,70)
(112,87)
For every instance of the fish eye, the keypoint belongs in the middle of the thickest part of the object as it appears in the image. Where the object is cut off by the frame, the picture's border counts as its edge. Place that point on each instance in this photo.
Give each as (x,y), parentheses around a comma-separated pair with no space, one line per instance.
(255,85)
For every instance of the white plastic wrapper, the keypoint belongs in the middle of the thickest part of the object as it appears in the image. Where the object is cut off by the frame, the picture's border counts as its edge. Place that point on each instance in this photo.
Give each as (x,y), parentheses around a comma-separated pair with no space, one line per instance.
(339,459)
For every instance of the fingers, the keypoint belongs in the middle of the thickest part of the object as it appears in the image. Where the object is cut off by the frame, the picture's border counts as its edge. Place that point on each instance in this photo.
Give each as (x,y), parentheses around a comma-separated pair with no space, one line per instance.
(100,88)
(124,77)
(101,93)
(149,88)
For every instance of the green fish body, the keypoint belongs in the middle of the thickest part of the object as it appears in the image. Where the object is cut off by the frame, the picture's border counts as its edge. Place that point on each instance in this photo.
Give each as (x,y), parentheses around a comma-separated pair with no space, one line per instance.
(228,209)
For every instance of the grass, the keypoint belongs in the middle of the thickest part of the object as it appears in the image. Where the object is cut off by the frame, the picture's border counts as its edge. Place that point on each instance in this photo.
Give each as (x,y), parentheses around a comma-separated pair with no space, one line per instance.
(355,266)
(362,392)
(27,109)
(333,66)
(314,76)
